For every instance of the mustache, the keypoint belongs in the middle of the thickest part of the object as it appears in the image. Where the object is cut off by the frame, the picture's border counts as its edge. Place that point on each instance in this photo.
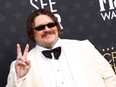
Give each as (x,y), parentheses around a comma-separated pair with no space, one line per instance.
(47,33)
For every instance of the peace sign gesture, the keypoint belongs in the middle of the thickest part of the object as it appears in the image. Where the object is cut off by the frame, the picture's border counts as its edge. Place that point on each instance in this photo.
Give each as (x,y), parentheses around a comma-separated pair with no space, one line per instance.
(22,65)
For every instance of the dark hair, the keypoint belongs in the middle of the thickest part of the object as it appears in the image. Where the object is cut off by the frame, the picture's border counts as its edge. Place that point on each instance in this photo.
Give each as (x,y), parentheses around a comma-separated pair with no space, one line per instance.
(30,22)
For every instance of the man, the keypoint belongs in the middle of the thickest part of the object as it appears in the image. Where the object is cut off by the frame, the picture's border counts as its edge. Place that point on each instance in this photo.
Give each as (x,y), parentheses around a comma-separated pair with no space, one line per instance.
(71,63)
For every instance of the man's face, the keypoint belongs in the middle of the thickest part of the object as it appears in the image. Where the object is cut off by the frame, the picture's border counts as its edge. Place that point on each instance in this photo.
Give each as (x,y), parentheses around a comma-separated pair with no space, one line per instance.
(46,37)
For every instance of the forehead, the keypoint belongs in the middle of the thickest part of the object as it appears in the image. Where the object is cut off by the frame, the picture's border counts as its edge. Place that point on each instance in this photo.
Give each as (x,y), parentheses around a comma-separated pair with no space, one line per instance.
(42,19)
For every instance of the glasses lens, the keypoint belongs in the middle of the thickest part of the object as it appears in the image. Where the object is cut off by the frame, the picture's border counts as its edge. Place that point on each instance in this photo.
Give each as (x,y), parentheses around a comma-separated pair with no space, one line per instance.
(50,25)
(39,28)
(42,27)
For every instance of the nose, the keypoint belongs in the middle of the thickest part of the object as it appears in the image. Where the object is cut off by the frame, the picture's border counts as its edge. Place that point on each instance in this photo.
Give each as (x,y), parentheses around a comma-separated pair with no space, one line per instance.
(46,28)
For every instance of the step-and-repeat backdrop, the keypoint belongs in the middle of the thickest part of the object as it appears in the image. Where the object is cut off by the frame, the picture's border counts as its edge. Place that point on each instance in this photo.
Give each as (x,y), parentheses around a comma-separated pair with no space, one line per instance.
(80,19)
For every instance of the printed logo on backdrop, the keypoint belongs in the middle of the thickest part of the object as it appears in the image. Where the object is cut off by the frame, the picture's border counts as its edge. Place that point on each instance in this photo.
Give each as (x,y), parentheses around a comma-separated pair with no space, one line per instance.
(108,12)
(37,4)
(110,55)
(107,9)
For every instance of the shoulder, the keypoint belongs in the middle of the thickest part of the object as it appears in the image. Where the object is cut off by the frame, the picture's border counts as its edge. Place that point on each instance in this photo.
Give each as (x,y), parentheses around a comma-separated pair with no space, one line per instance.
(31,53)
(81,45)
(32,50)
(77,42)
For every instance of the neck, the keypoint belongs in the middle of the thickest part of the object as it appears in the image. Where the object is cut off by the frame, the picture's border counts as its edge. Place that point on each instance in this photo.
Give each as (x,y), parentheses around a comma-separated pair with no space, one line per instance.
(49,45)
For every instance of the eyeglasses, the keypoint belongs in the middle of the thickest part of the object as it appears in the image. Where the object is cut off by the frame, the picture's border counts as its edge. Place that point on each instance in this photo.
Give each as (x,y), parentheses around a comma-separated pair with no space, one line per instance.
(42,27)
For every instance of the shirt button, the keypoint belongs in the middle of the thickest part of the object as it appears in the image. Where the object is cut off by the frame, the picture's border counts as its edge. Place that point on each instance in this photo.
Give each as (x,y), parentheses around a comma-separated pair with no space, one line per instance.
(58,70)
(62,82)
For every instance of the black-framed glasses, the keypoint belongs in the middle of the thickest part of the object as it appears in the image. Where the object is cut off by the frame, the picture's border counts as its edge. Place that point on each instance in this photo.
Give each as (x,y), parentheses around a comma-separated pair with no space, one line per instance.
(42,27)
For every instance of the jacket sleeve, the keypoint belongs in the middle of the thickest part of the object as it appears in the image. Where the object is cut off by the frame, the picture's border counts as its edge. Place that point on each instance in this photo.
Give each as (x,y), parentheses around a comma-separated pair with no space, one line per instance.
(12,79)
(103,68)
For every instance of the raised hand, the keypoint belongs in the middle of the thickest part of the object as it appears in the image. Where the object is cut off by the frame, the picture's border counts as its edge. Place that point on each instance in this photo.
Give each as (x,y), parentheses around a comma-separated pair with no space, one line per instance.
(22,65)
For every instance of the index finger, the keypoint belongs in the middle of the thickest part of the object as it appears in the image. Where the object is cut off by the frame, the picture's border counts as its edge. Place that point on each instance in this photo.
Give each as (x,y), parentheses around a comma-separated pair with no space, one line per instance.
(26,51)
(19,53)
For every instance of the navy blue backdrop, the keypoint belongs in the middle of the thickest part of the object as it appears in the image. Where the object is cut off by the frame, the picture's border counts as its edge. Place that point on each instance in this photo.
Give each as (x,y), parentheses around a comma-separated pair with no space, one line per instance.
(80,19)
